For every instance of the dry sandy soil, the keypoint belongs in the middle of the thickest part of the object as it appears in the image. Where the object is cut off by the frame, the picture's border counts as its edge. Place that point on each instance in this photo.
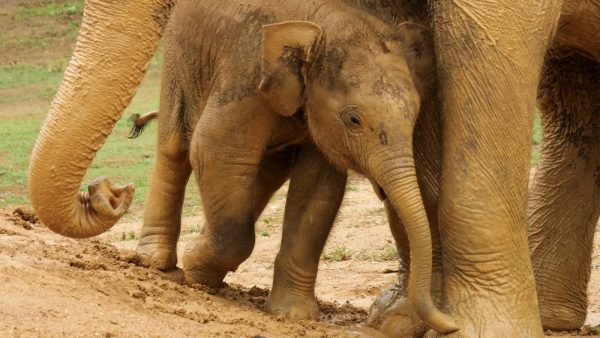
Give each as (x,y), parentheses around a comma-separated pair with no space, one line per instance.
(51,286)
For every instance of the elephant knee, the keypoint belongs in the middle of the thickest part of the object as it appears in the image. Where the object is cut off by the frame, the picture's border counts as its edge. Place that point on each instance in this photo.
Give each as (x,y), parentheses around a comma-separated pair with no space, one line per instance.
(233,244)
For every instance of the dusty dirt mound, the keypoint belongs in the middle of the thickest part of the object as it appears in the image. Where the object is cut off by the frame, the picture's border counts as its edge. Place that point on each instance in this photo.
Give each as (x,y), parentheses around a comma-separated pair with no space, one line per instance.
(24,217)
(586,330)
(53,286)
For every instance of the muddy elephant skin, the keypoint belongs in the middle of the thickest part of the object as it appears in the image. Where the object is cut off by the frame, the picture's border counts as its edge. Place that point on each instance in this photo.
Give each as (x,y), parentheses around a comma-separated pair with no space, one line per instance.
(254,94)
(483,60)
(292,91)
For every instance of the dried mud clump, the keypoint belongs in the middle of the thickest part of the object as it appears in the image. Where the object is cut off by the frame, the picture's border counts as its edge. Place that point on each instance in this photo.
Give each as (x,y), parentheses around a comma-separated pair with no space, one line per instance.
(24,217)
(585,330)
(344,315)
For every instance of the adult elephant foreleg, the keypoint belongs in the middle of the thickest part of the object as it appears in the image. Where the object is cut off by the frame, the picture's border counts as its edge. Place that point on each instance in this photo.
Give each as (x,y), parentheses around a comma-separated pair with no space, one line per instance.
(489,58)
(564,201)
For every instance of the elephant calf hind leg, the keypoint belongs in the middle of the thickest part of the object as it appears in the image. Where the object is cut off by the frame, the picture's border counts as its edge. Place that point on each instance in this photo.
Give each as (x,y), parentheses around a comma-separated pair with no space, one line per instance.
(157,247)
(564,199)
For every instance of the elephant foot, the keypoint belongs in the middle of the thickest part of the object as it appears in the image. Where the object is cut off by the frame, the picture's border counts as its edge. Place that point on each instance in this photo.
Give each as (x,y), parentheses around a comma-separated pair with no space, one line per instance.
(202,266)
(157,257)
(292,305)
(562,317)
(391,314)
(205,276)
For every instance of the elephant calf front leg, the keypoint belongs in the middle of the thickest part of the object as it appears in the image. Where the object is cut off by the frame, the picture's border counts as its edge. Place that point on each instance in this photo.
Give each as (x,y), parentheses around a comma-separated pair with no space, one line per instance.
(227,158)
(157,247)
(314,197)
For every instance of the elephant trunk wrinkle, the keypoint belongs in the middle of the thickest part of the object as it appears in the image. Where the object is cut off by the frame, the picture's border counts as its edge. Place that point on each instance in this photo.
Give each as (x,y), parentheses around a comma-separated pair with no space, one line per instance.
(86,107)
(397,176)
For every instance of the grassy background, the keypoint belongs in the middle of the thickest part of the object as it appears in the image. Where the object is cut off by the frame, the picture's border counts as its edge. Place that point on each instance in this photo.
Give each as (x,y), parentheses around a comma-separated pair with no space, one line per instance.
(34,50)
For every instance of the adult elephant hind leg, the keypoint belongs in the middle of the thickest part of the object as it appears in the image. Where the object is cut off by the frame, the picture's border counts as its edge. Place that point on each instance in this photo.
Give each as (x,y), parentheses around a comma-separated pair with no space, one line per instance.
(490,55)
(314,197)
(564,200)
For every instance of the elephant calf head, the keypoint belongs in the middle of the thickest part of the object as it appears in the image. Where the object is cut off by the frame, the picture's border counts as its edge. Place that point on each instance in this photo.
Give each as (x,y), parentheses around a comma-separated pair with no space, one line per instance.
(360,86)
(361,89)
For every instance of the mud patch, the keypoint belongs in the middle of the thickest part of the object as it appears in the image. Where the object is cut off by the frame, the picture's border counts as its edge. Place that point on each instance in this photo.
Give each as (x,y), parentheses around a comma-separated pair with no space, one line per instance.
(586,330)
(24,217)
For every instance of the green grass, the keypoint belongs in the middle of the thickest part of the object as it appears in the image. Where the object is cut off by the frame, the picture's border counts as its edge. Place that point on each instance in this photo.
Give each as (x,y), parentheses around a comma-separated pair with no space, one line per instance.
(537,139)
(194,229)
(49,9)
(39,32)
(338,254)
(19,75)
(351,188)
(129,236)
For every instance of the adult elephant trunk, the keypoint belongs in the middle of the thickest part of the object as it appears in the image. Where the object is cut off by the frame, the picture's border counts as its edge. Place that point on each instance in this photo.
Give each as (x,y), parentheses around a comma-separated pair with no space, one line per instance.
(115,44)
(397,178)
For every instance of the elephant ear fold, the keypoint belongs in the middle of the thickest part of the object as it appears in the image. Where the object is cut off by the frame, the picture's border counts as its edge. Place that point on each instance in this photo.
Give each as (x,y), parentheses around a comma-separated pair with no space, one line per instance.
(420,56)
(286,49)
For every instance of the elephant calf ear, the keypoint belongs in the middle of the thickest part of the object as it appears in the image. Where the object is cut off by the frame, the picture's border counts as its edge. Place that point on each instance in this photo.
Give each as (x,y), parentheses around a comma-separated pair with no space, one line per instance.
(420,56)
(286,48)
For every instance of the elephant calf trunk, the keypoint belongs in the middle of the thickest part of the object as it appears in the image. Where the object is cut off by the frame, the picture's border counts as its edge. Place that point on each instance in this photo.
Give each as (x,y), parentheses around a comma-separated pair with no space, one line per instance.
(399,183)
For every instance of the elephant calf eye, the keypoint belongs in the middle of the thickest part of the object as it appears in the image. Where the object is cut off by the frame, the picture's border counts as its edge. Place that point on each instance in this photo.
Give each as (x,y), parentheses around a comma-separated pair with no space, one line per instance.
(352,119)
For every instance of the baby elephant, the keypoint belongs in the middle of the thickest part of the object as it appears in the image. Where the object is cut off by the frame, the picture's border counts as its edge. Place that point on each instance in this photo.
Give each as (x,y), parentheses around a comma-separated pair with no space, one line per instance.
(252,96)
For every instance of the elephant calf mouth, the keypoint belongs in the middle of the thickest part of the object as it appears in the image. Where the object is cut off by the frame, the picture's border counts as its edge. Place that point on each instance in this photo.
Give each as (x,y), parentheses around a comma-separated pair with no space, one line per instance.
(378,190)
(380,193)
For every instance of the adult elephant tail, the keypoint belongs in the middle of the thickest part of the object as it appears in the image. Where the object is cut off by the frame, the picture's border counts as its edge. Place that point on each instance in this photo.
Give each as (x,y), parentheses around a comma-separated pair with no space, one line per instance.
(115,44)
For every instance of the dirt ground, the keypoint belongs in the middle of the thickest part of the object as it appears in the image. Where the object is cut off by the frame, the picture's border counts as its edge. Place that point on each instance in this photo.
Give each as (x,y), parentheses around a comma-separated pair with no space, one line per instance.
(52,286)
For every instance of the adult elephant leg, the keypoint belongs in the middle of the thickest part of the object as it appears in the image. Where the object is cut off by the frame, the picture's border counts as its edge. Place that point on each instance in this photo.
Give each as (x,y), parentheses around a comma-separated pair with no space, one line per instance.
(157,247)
(489,58)
(314,198)
(564,201)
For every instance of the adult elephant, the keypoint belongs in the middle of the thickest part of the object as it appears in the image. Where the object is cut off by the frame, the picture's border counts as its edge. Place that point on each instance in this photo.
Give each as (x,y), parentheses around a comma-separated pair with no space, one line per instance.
(490,55)
(564,200)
